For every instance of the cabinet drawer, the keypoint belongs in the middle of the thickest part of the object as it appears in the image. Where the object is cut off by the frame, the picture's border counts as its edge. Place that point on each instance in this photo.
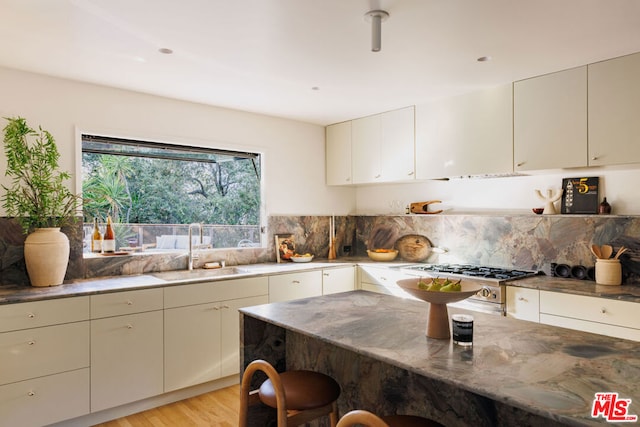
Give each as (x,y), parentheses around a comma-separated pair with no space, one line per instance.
(129,302)
(288,287)
(43,313)
(32,353)
(381,276)
(45,400)
(593,327)
(602,310)
(183,295)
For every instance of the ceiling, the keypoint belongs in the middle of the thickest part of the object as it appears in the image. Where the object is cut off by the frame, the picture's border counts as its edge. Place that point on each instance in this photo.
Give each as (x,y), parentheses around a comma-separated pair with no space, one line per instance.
(311,60)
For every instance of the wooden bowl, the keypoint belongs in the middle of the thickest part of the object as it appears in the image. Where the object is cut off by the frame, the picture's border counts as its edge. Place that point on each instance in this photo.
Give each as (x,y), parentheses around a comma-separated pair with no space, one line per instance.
(437,297)
(438,318)
(390,255)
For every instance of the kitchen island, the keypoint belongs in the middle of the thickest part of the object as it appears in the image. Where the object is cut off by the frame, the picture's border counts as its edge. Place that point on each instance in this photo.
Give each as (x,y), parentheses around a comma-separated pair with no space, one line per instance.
(517,373)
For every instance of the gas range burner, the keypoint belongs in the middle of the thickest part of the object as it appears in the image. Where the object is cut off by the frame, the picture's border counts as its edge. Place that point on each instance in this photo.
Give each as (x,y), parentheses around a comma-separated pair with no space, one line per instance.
(467,270)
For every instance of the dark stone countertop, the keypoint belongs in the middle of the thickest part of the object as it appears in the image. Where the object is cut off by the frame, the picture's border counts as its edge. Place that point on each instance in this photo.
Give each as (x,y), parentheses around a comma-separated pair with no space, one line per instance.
(14,294)
(19,294)
(545,370)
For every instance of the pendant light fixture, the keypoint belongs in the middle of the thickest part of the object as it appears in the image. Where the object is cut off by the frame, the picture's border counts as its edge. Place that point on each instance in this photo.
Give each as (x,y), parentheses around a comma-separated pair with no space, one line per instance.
(376,17)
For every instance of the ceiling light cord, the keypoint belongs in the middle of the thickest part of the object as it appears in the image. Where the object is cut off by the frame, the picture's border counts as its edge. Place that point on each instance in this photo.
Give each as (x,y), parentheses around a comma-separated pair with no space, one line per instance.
(376,17)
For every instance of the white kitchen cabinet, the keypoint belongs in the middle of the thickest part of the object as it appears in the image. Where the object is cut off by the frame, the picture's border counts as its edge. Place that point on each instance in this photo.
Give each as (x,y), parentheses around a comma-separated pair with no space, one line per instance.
(290,286)
(202,332)
(591,314)
(382,280)
(338,154)
(126,349)
(383,147)
(550,121)
(192,345)
(470,134)
(44,361)
(230,332)
(614,103)
(523,303)
(45,400)
(336,280)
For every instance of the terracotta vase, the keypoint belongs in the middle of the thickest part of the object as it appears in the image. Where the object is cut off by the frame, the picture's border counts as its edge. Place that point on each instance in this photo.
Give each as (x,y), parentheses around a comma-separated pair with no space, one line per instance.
(46,253)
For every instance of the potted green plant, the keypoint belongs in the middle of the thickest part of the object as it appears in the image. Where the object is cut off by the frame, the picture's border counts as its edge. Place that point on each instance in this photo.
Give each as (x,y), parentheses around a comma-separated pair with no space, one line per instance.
(38,199)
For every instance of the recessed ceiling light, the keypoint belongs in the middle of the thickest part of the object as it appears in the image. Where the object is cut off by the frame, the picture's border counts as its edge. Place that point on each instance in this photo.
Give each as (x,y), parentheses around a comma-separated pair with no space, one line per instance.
(165,50)
(315,88)
(484,59)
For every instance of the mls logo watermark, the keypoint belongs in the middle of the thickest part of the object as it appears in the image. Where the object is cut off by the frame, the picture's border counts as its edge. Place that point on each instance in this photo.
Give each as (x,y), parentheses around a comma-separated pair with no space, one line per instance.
(612,408)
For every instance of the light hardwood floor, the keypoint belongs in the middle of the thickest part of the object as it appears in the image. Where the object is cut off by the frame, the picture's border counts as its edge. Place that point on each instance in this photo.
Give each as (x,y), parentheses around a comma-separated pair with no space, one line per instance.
(217,408)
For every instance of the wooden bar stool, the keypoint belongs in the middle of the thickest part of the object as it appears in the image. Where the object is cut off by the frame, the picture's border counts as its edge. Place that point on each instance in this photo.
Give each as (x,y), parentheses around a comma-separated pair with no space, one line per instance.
(298,396)
(368,419)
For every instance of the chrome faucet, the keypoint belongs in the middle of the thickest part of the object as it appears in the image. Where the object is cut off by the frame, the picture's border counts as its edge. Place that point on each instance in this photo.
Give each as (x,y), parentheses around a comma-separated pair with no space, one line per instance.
(191,256)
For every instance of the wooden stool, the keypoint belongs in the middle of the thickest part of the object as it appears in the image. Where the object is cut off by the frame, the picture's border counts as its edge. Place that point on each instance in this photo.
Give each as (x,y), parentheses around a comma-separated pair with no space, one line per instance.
(371,420)
(297,396)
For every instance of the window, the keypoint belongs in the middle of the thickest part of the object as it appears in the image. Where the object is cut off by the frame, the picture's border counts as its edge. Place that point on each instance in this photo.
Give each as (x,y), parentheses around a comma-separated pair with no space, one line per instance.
(153,191)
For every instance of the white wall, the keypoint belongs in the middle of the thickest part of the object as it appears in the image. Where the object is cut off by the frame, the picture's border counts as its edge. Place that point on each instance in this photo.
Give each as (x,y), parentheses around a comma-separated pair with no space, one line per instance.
(293,151)
(512,194)
(294,173)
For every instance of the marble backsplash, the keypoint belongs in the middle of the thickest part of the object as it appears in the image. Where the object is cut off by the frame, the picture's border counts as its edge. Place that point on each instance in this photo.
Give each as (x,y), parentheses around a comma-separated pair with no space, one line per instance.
(524,241)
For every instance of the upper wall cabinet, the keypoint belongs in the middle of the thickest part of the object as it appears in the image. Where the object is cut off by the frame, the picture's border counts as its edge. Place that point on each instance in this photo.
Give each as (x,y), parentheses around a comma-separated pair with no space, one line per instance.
(471,134)
(614,104)
(338,154)
(550,121)
(383,147)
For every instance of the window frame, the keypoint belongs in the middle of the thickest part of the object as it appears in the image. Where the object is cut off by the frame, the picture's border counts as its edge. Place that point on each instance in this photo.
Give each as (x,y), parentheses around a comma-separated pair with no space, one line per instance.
(187,142)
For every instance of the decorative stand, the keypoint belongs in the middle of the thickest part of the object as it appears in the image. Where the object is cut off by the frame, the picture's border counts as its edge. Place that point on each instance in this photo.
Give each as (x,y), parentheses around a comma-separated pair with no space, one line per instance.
(438,319)
(552,197)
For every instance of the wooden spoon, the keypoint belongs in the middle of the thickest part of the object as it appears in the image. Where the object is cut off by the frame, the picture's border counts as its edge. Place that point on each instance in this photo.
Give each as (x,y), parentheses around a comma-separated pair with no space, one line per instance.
(606,251)
(620,251)
(595,249)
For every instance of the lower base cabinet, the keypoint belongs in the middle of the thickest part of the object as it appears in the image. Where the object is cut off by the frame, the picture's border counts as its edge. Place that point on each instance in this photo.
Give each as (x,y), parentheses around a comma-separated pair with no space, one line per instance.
(336,280)
(382,280)
(590,314)
(523,303)
(126,359)
(202,329)
(44,361)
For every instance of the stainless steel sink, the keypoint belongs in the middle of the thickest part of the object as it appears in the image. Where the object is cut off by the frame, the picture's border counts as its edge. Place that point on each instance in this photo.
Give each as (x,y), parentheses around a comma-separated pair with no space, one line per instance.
(186,275)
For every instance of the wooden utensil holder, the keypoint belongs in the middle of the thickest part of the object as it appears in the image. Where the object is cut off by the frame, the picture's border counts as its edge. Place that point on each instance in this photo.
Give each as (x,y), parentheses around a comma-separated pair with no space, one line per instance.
(608,272)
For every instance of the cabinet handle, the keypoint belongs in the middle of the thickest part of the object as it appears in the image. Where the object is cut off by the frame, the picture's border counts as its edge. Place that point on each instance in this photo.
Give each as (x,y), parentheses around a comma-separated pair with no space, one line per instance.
(377,176)
(31,342)
(129,302)
(603,310)
(224,306)
(520,164)
(31,393)
(348,179)
(410,173)
(383,278)
(522,299)
(325,274)
(129,326)
(31,316)
(594,158)
(296,282)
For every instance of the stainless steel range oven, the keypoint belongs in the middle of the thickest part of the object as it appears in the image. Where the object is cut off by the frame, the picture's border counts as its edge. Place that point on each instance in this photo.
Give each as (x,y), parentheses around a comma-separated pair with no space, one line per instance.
(491,298)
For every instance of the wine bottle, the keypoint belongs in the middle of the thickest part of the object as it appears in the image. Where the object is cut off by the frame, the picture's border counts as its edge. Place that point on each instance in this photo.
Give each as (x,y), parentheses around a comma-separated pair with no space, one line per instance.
(96,238)
(109,239)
